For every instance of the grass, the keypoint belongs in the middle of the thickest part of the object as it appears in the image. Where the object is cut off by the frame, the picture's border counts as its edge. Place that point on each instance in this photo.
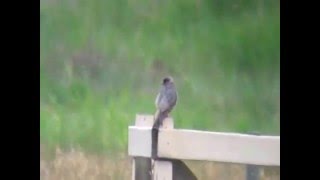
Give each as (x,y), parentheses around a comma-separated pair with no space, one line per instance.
(102,63)
(77,165)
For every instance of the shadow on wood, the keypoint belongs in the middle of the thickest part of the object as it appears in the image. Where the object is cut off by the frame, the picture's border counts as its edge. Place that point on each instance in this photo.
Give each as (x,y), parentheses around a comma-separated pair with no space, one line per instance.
(142,170)
(252,172)
(181,171)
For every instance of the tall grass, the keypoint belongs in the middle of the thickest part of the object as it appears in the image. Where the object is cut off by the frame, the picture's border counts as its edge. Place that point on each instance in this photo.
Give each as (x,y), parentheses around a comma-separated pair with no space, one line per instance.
(102,63)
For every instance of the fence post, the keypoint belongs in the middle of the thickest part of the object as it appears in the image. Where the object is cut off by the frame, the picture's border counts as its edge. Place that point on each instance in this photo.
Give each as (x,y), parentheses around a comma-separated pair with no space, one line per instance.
(162,169)
(169,169)
(141,166)
(174,145)
(252,171)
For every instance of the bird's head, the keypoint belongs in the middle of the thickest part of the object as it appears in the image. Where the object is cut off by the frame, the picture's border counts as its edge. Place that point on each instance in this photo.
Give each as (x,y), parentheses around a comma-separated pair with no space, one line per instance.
(167,80)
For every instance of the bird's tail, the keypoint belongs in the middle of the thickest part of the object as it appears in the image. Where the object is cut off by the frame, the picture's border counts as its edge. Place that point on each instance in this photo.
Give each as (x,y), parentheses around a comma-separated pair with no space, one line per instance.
(158,119)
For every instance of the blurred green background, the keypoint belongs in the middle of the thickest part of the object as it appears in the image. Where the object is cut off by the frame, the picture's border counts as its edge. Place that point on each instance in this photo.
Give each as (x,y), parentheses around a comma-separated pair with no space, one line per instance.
(102,63)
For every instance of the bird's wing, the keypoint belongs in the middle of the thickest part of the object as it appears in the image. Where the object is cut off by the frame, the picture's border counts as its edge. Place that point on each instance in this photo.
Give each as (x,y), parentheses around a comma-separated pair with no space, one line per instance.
(161,100)
(157,100)
(172,97)
(163,104)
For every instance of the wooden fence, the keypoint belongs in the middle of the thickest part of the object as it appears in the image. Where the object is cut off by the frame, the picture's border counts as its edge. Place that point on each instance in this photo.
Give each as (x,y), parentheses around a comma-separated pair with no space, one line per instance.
(175,145)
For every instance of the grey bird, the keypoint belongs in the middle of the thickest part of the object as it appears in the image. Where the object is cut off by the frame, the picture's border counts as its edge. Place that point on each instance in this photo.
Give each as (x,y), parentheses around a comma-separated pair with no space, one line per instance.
(165,101)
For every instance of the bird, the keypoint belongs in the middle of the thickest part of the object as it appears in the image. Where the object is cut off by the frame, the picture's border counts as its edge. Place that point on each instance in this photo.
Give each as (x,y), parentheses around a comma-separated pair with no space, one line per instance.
(165,101)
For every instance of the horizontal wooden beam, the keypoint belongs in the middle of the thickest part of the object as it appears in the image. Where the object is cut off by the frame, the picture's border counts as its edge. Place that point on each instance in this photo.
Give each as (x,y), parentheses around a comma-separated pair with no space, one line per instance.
(207,146)
(139,141)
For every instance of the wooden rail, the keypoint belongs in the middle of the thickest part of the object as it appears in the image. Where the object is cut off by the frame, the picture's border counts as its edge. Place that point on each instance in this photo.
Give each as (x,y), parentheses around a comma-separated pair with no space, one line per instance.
(182,144)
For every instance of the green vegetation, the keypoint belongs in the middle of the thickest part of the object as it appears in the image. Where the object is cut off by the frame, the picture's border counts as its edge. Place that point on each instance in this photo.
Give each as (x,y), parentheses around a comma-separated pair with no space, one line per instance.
(102,63)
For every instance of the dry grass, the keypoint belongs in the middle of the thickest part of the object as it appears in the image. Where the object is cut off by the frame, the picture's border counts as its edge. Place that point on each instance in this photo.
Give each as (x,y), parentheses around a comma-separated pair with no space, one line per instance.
(228,171)
(77,165)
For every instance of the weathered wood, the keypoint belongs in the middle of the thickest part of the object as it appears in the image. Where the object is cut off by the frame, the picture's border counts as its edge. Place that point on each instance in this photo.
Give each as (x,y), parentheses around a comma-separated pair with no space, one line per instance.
(139,141)
(144,120)
(141,166)
(208,146)
(167,124)
(174,144)
(162,169)
(252,171)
